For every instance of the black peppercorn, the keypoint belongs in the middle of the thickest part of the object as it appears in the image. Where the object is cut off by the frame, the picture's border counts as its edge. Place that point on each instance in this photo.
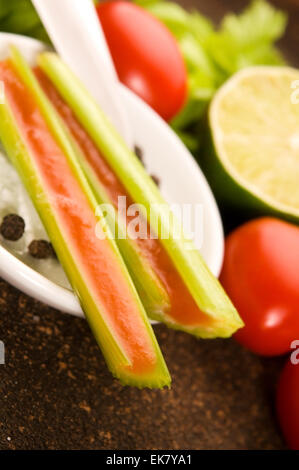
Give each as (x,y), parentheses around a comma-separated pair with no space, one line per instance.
(41,249)
(12,227)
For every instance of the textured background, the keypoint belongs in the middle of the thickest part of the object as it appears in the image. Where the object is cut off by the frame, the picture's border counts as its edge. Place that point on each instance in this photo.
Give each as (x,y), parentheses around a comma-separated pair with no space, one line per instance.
(56,393)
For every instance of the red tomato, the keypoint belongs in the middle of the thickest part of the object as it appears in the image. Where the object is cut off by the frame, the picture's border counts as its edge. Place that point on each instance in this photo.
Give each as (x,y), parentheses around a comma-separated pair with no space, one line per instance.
(287,404)
(261,275)
(146,56)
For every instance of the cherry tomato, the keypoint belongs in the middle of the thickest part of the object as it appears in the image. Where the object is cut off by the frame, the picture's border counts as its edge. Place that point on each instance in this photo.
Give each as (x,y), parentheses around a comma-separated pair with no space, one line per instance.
(146,56)
(261,276)
(287,404)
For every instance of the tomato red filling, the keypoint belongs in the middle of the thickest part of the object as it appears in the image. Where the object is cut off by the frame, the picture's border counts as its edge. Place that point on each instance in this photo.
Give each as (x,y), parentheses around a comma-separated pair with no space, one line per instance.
(184,309)
(95,258)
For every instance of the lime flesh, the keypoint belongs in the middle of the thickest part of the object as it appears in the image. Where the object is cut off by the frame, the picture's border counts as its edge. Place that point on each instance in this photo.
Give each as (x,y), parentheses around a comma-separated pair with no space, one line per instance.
(254,120)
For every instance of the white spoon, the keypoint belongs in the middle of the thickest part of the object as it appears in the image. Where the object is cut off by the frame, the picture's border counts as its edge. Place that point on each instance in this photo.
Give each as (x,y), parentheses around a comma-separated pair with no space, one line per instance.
(76,33)
(165,156)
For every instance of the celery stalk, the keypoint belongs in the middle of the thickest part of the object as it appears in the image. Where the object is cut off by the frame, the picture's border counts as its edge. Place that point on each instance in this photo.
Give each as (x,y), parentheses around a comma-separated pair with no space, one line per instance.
(205,289)
(117,358)
(149,287)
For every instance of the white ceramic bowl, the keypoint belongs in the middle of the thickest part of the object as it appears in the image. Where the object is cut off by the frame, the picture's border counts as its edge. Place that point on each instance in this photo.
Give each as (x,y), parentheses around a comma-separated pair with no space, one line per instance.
(165,156)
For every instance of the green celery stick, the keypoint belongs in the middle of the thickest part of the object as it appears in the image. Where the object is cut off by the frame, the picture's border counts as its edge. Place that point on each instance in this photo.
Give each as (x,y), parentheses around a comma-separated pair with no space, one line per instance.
(149,287)
(205,289)
(117,346)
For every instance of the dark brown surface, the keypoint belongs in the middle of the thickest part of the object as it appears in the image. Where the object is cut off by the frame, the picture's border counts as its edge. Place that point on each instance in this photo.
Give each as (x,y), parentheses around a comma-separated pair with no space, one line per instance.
(56,393)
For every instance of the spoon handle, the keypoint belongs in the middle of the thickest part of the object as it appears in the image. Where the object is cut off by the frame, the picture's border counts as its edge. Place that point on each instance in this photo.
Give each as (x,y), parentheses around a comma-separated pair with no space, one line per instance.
(78,37)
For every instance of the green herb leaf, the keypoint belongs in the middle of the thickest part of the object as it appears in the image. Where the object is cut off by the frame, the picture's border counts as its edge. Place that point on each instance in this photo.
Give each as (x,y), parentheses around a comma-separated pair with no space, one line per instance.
(212,55)
(260,23)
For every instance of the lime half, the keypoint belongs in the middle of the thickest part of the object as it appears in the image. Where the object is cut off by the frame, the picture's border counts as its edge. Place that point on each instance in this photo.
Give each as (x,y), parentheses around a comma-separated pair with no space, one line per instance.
(254,121)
